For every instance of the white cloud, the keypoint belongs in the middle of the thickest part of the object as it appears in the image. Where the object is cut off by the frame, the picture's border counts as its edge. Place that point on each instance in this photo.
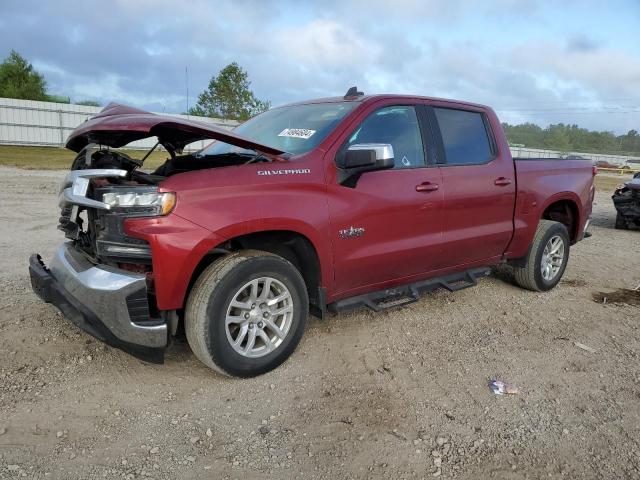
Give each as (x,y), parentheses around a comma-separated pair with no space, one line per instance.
(603,70)
(323,43)
(292,51)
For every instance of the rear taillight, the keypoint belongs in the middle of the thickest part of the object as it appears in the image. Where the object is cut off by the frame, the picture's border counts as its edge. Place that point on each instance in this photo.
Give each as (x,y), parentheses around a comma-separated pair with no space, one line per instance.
(594,170)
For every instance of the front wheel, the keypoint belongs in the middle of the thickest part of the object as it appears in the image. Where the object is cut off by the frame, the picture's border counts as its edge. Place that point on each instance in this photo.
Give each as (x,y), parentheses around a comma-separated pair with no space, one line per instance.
(246,313)
(547,259)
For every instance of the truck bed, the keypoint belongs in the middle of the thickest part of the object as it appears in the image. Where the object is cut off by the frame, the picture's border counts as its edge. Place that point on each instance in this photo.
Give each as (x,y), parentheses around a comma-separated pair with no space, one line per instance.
(540,182)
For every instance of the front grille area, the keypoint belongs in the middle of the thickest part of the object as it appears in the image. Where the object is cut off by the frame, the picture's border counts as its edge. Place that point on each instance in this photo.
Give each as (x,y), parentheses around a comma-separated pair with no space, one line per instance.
(111,242)
(100,234)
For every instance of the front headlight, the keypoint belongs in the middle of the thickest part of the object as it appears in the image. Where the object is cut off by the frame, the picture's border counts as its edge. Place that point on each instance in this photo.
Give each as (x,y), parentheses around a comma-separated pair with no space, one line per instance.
(144,201)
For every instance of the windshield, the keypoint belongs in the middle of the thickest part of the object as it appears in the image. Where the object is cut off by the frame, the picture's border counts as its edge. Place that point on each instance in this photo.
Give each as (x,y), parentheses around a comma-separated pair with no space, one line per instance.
(296,129)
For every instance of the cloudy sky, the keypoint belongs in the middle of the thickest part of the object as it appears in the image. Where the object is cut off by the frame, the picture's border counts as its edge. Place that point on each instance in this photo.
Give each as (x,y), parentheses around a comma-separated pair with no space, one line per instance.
(571,61)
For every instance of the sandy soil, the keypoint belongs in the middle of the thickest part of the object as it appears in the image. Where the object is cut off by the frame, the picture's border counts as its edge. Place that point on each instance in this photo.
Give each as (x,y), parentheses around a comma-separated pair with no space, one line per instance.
(402,394)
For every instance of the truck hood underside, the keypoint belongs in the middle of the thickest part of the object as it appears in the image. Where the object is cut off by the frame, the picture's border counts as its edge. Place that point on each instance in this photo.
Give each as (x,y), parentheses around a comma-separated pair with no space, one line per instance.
(117,125)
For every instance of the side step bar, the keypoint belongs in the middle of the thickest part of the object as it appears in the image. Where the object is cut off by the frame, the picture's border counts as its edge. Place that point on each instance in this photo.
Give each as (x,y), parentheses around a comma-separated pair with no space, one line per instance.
(400,296)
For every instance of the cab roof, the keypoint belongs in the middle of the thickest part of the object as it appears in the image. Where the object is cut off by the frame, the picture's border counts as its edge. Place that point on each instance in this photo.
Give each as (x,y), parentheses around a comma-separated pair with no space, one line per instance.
(383,96)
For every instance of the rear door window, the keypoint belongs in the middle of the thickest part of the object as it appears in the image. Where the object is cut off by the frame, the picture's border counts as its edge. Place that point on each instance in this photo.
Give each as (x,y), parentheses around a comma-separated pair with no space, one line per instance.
(465,137)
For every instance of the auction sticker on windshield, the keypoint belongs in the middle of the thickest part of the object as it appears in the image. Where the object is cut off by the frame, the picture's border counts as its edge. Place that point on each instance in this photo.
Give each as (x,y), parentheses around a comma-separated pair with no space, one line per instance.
(296,133)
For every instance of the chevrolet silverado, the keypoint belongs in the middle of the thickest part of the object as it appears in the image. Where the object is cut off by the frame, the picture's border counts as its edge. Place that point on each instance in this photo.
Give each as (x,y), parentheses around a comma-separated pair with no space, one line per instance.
(314,207)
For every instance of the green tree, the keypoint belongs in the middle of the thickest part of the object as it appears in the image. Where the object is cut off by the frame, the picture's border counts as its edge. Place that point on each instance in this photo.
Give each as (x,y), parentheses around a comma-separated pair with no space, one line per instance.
(18,79)
(630,141)
(571,138)
(228,96)
(557,138)
(88,103)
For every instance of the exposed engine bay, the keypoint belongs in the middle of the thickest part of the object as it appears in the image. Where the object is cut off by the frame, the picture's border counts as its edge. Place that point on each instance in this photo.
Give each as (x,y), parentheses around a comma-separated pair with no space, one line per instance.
(95,226)
(93,157)
(107,186)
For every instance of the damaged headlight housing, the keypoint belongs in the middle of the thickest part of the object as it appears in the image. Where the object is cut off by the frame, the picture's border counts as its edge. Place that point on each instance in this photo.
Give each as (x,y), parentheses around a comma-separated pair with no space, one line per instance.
(142,200)
(126,201)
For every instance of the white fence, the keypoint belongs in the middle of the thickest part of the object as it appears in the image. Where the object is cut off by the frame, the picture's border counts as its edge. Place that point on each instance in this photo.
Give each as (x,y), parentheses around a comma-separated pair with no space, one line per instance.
(619,160)
(26,122)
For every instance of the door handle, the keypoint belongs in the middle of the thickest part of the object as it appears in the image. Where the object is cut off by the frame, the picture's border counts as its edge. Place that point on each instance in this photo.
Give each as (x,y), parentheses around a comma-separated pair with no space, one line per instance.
(502,181)
(427,187)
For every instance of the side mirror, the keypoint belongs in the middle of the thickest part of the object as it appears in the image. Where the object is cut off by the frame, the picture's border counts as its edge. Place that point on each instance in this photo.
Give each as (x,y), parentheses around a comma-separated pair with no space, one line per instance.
(361,158)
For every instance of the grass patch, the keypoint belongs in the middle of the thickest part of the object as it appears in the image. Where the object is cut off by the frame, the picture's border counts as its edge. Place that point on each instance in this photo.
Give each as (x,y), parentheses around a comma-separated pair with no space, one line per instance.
(608,183)
(53,158)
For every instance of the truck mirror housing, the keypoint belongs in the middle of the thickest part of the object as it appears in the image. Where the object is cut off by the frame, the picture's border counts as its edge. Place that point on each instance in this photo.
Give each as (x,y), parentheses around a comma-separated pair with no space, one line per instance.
(361,158)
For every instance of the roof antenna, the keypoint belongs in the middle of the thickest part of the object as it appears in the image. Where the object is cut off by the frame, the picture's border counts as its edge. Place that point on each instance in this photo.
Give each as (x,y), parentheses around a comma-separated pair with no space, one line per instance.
(352,93)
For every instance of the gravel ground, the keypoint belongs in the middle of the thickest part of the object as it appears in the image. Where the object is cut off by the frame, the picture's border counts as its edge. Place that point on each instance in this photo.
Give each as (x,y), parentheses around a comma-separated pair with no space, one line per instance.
(401,394)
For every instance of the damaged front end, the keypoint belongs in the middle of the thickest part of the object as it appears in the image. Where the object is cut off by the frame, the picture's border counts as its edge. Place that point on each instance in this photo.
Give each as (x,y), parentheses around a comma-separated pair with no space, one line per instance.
(102,190)
(101,278)
(626,199)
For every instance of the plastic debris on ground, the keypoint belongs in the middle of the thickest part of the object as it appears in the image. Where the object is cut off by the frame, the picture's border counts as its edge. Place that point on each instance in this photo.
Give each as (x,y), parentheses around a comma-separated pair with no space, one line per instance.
(502,388)
(584,347)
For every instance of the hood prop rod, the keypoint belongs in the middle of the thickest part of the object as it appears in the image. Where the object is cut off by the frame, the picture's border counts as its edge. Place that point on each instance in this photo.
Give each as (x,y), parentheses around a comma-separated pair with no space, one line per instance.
(149,152)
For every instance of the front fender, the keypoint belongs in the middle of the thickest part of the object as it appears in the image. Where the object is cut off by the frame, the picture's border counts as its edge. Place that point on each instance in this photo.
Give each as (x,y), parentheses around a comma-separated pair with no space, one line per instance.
(177,246)
(318,235)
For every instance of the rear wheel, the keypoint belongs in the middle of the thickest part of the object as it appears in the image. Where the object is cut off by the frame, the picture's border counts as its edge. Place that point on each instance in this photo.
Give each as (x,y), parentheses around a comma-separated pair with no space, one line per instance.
(547,259)
(246,313)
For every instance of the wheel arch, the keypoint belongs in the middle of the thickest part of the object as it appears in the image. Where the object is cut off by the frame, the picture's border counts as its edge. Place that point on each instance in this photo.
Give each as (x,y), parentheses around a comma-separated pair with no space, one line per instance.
(294,246)
(564,208)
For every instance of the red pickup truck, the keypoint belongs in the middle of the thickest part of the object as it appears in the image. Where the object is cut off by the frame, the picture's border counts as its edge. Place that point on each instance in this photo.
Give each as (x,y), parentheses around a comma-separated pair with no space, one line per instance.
(314,207)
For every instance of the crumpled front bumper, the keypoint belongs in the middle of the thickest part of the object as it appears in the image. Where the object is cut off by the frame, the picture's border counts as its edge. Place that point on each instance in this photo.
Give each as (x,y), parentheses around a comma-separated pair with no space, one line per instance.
(106,302)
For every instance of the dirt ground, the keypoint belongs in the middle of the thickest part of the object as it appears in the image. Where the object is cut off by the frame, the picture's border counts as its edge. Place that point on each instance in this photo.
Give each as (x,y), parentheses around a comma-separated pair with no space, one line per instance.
(402,394)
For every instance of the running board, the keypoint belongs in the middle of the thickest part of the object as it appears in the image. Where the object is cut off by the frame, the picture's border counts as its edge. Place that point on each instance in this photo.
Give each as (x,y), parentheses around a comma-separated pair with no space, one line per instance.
(406,294)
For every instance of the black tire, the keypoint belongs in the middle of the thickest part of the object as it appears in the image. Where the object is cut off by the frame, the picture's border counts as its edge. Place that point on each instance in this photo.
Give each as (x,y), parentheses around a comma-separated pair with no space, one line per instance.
(621,223)
(212,294)
(530,276)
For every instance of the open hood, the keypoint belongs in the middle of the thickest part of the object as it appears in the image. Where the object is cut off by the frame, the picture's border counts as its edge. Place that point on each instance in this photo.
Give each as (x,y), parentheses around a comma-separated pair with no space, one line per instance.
(117,125)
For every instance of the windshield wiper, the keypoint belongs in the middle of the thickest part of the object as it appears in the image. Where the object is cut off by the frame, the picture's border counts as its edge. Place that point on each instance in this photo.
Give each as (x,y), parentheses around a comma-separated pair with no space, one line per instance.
(251,157)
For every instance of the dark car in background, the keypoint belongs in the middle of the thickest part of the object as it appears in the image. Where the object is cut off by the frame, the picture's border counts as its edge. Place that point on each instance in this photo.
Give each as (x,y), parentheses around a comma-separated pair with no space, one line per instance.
(626,199)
